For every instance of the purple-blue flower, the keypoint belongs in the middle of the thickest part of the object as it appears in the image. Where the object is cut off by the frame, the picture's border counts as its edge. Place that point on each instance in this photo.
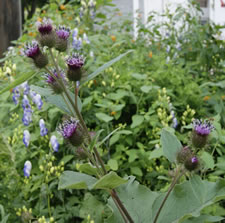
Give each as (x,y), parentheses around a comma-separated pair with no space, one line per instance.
(203,128)
(62,32)
(75,33)
(37,100)
(54,143)
(77,43)
(85,38)
(26,103)
(194,159)
(27,168)
(25,87)
(27,116)
(26,138)
(16,95)
(43,129)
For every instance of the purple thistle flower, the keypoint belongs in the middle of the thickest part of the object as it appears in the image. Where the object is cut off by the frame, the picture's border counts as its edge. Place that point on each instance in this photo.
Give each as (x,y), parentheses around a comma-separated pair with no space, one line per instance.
(71,131)
(77,43)
(63,33)
(54,143)
(32,50)
(45,27)
(202,128)
(27,116)
(43,129)
(16,95)
(26,138)
(75,61)
(37,100)
(26,103)
(27,168)
(194,159)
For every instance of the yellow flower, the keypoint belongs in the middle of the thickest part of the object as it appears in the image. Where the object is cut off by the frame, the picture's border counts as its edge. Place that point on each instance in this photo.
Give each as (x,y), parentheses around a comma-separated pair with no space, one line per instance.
(206,98)
(113,113)
(62,7)
(113,38)
(150,54)
(39,19)
(223,97)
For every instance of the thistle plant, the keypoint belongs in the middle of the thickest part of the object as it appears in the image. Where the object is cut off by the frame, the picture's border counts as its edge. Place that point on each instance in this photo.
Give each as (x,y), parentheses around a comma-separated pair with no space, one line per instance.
(65,81)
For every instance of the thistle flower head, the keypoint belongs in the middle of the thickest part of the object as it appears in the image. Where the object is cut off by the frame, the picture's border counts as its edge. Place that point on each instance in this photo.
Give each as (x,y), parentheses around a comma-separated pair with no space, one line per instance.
(71,131)
(203,128)
(75,61)
(62,32)
(32,49)
(52,81)
(45,27)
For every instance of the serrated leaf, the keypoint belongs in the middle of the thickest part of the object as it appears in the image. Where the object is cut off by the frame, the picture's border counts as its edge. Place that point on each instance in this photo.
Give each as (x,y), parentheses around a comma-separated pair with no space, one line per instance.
(19,81)
(170,144)
(109,181)
(136,120)
(104,117)
(105,66)
(75,180)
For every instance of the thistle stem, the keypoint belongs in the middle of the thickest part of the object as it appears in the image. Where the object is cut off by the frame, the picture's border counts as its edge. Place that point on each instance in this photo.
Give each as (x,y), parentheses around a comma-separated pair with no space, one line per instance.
(175,179)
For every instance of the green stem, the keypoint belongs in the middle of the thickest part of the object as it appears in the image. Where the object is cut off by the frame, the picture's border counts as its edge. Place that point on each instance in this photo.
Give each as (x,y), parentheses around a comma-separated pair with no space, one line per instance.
(68,105)
(175,179)
(49,206)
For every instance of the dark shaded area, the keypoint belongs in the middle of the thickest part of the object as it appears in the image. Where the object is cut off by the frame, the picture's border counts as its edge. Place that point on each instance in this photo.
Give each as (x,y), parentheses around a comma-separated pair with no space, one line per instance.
(10,23)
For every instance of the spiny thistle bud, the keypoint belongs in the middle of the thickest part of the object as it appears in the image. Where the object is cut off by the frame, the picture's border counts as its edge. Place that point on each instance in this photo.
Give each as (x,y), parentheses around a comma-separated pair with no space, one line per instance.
(53,81)
(47,35)
(33,51)
(200,132)
(184,154)
(62,35)
(191,163)
(72,131)
(81,154)
(75,64)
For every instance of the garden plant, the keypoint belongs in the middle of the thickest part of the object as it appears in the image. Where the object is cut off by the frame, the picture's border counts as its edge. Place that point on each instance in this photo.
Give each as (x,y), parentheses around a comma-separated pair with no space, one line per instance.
(100,126)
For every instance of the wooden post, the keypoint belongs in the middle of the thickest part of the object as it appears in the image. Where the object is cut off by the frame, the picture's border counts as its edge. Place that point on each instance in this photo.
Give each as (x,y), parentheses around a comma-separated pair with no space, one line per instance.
(10,23)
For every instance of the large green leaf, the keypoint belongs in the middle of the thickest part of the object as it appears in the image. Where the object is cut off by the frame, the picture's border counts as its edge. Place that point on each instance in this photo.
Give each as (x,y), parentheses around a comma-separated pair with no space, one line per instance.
(109,181)
(203,219)
(188,199)
(75,180)
(103,117)
(138,201)
(170,144)
(185,201)
(105,66)
(18,81)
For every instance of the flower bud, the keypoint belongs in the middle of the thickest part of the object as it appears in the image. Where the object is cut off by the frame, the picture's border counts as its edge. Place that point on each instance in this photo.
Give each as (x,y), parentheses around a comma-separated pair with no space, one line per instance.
(200,132)
(33,51)
(184,154)
(72,132)
(62,35)
(47,35)
(75,64)
(81,154)
(191,163)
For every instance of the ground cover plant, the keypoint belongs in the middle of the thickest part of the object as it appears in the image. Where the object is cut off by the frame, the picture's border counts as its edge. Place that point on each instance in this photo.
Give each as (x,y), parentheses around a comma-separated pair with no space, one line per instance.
(132,131)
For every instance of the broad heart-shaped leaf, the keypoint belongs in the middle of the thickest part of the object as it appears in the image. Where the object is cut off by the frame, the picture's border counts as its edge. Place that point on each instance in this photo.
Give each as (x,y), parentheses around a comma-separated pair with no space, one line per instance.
(188,199)
(185,201)
(109,181)
(19,81)
(56,100)
(75,180)
(170,144)
(105,66)
(138,201)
